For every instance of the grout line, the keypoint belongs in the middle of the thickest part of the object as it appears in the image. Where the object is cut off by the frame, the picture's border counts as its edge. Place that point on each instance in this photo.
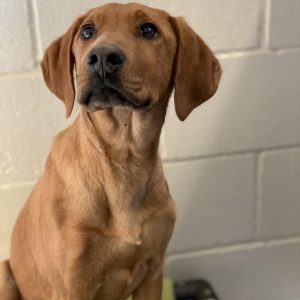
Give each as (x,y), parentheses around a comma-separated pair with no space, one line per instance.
(253,49)
(267,27)
(261,26)
(290,50)
(235,247)
(258,191)
(255,185)
(258,51)
(17,184)
(31,24)
(34,72)
(37,29)
(231,153)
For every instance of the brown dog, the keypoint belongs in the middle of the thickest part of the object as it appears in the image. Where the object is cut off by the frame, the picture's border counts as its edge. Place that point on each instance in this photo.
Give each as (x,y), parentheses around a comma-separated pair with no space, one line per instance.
(98,222)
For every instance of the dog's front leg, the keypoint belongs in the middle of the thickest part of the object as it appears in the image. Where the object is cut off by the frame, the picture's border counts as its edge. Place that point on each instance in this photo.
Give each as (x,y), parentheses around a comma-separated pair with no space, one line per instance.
(81,285)
(151,287)
(83,265)
(8,286)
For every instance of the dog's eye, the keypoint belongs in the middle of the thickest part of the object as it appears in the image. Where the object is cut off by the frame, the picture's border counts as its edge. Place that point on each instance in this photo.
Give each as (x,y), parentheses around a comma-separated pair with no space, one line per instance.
(149,31)
(87,32)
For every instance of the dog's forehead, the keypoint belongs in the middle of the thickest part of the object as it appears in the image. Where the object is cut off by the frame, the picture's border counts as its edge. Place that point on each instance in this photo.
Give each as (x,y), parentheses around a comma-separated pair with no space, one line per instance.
(113,12)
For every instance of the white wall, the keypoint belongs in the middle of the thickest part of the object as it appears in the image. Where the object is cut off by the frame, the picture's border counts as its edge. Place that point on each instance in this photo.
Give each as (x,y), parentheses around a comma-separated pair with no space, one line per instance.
(233,166)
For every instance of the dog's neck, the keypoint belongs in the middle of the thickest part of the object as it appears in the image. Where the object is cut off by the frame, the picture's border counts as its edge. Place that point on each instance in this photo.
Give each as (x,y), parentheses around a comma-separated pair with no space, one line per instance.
(120,133)
(127,142)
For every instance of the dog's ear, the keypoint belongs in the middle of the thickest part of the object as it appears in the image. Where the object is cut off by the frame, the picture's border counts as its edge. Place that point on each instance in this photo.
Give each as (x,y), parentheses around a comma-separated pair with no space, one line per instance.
(197,70)
(57,66)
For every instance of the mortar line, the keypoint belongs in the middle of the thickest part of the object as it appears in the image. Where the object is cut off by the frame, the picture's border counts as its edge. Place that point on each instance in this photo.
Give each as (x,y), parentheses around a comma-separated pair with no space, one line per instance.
(37,29)
(235,247)
(267,27)
(232,153)
(33,72)
(257,51)
(34,46)
(17,184)
(258,196)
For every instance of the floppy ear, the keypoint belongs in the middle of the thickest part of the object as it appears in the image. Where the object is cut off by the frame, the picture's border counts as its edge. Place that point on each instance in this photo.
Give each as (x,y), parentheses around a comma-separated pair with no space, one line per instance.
(57,66)
(197,71)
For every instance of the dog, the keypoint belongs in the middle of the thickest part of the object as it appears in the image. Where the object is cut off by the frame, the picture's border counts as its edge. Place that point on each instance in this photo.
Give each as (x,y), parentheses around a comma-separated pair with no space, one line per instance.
(98,222)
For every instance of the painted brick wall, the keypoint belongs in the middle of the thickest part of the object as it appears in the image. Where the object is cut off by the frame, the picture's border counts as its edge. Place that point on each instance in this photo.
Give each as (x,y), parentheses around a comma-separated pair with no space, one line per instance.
(233,166)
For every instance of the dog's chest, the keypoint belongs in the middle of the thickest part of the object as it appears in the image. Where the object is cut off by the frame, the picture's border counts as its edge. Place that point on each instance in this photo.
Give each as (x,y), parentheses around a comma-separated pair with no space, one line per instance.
(130,264)
(124,274)
(121,282)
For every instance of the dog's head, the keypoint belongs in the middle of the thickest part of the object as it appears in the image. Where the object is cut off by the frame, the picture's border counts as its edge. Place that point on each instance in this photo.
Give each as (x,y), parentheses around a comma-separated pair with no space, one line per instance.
(130,55)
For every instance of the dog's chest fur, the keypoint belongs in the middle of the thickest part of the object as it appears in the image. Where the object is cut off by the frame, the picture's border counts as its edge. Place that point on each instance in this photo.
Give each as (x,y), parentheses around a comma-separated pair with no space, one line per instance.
(128,256)
(128,265)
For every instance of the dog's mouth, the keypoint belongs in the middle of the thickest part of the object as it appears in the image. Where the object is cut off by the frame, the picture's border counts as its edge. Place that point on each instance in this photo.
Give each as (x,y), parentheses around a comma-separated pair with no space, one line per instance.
(107,95)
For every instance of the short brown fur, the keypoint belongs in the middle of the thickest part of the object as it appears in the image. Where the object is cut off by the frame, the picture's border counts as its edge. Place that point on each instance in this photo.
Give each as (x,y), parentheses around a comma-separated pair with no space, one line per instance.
(98,222)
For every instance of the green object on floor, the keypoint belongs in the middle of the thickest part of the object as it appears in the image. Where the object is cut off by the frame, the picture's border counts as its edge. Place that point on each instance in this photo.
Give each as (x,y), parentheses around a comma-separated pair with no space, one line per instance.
(168,290)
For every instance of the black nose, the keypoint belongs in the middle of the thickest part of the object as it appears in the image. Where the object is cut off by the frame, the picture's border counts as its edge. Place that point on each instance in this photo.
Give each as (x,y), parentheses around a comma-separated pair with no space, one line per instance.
(105,59)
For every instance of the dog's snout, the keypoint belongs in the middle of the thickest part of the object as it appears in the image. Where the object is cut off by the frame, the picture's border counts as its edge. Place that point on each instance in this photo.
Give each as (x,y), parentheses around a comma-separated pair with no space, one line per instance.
(106,59)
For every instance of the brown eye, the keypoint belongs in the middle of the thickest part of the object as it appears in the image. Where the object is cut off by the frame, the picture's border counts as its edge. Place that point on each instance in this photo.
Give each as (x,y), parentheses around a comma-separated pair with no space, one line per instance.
(149,31)
(87,32)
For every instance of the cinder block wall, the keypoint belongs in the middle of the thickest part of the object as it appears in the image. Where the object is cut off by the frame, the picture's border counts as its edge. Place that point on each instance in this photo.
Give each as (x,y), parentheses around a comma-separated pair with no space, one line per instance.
(233,166)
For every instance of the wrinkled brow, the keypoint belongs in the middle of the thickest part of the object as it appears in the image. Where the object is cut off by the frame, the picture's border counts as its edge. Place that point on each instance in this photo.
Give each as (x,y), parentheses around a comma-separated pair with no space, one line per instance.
(139,14)
(141,17)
